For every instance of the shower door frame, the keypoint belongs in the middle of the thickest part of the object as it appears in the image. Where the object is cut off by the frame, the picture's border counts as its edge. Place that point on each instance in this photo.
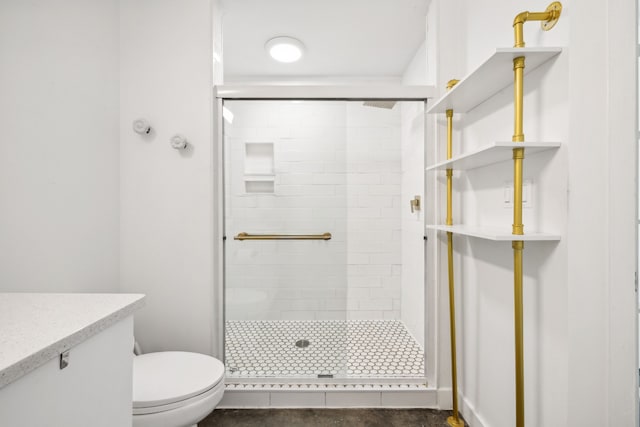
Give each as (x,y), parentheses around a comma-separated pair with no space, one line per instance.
(223,93)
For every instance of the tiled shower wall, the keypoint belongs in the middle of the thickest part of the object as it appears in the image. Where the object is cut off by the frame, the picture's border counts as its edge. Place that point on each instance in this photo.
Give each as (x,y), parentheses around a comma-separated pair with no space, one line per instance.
(335,168)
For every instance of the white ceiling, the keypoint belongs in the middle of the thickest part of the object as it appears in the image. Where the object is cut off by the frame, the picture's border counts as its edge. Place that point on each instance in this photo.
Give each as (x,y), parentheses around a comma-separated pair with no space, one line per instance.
(343,38)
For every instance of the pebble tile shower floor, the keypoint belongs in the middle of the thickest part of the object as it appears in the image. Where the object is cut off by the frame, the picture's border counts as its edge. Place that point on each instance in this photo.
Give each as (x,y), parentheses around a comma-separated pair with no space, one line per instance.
(336,349)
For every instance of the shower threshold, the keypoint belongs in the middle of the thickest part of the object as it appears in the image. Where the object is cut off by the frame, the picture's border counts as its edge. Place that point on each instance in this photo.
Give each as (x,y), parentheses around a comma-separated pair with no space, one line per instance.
(316,353)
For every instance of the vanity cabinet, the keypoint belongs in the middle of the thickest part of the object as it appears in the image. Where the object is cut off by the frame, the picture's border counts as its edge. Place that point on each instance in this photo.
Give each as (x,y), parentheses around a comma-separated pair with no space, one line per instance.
(93,387)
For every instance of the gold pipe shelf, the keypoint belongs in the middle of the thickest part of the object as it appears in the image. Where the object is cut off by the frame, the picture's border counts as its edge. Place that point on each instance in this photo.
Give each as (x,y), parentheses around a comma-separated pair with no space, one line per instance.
(490,77)
(498,234)
(495,152)
(247,236)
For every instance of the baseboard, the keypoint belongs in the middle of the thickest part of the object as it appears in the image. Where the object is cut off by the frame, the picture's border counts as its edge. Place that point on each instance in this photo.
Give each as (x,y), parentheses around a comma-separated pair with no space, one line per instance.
(470,414)
(330,396)
(467,410)
(445,401)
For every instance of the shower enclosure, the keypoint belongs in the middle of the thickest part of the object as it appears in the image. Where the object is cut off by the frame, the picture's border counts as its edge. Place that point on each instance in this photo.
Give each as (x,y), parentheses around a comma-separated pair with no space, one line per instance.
(315,229)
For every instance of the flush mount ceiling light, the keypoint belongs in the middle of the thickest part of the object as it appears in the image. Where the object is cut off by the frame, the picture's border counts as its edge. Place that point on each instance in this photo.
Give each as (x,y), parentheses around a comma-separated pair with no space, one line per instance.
(285,49)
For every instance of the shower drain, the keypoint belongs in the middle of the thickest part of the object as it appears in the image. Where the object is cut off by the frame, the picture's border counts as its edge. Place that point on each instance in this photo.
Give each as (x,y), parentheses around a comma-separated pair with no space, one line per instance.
(302,343)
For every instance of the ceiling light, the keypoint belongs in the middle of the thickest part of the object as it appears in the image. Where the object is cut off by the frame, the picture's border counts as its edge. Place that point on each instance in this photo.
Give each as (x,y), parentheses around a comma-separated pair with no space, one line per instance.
(285,49)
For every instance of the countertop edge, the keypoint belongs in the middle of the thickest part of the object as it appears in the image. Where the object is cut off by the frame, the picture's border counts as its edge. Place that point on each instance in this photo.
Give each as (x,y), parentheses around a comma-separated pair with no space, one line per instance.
(32,362)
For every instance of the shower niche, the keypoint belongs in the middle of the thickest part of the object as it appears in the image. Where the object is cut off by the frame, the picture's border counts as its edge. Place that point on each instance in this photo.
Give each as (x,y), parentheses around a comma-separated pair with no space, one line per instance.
(259,174)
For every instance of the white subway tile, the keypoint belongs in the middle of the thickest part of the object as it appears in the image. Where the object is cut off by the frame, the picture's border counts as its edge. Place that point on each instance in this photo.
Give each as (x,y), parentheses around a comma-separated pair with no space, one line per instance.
(298,315)
(386,258)
(358,293)
(334,304)
(388,293)
(368,212)
(364,315)
(330,178)
(357,190)
(357,258)
(365,178)
(332,315)
(295,178)
(390,281)
(302,167)
(376,304)
(376,201)
(391,178)
(385,190)
(364,281)
(352,305)
(391,315)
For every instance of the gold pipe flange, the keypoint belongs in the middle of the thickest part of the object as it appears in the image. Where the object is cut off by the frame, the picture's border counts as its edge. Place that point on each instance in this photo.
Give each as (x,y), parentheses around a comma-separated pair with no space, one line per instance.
(555,9)
(451,83)
(455,422)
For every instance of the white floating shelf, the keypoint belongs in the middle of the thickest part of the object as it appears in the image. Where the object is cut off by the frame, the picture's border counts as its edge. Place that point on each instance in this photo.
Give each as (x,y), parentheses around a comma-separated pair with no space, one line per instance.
(490,77)
(496,152)
(494,233)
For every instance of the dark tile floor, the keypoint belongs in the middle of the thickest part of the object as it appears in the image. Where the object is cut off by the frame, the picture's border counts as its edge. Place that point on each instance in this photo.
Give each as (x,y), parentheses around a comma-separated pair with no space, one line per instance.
(326,418)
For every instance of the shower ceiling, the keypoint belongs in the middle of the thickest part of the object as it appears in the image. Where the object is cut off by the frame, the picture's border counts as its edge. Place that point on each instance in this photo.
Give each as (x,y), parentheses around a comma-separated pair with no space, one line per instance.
(343,38)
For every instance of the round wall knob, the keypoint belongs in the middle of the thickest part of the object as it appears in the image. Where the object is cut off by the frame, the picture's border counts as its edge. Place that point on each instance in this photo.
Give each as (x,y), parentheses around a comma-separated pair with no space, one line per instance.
(141,126)
(178,142)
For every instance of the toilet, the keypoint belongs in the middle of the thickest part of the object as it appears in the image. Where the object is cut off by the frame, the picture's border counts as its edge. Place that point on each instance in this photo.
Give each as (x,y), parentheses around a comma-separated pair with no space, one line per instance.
(175,388)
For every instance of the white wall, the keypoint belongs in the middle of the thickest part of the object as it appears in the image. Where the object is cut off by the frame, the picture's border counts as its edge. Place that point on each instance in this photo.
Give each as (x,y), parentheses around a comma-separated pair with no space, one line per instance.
(59,152)
(167,206)
(412,184)
(579,299)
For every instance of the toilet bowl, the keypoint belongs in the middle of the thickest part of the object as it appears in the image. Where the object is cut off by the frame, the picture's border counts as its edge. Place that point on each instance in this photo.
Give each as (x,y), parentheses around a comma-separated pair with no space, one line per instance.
(175,388)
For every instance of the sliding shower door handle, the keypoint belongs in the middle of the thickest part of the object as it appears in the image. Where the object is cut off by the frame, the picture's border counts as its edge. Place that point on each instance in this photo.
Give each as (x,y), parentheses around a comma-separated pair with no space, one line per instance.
(247,236)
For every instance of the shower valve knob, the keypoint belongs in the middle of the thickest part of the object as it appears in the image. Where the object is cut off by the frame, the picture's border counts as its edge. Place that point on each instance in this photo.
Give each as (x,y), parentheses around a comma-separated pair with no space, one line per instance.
(178,142)
(141,126)
(415,204)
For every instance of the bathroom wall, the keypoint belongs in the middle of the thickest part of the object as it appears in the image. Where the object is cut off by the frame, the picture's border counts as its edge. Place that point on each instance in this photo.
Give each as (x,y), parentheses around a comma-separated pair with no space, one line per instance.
(167,208)
(336,168)
(578,369)
(59,153)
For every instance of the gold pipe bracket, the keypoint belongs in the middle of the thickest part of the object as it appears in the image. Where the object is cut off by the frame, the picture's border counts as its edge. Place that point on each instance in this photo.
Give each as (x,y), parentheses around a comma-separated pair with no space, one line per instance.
(451,83)
(549,19)
(455,422)
(554,9)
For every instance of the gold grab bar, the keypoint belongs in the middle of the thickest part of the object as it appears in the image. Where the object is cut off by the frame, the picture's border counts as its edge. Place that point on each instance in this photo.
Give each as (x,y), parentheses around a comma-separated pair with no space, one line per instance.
(247,236)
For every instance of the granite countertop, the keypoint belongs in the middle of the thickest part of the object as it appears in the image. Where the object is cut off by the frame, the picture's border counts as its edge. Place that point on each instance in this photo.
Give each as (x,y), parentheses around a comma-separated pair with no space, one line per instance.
(35,328)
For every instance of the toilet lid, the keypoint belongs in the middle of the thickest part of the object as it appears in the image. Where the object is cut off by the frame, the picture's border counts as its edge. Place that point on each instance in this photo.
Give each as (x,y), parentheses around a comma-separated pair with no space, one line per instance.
(171,376)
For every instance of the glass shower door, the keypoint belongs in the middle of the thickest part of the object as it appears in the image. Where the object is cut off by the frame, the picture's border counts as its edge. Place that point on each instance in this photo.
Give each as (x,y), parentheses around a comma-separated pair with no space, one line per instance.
(285,247)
